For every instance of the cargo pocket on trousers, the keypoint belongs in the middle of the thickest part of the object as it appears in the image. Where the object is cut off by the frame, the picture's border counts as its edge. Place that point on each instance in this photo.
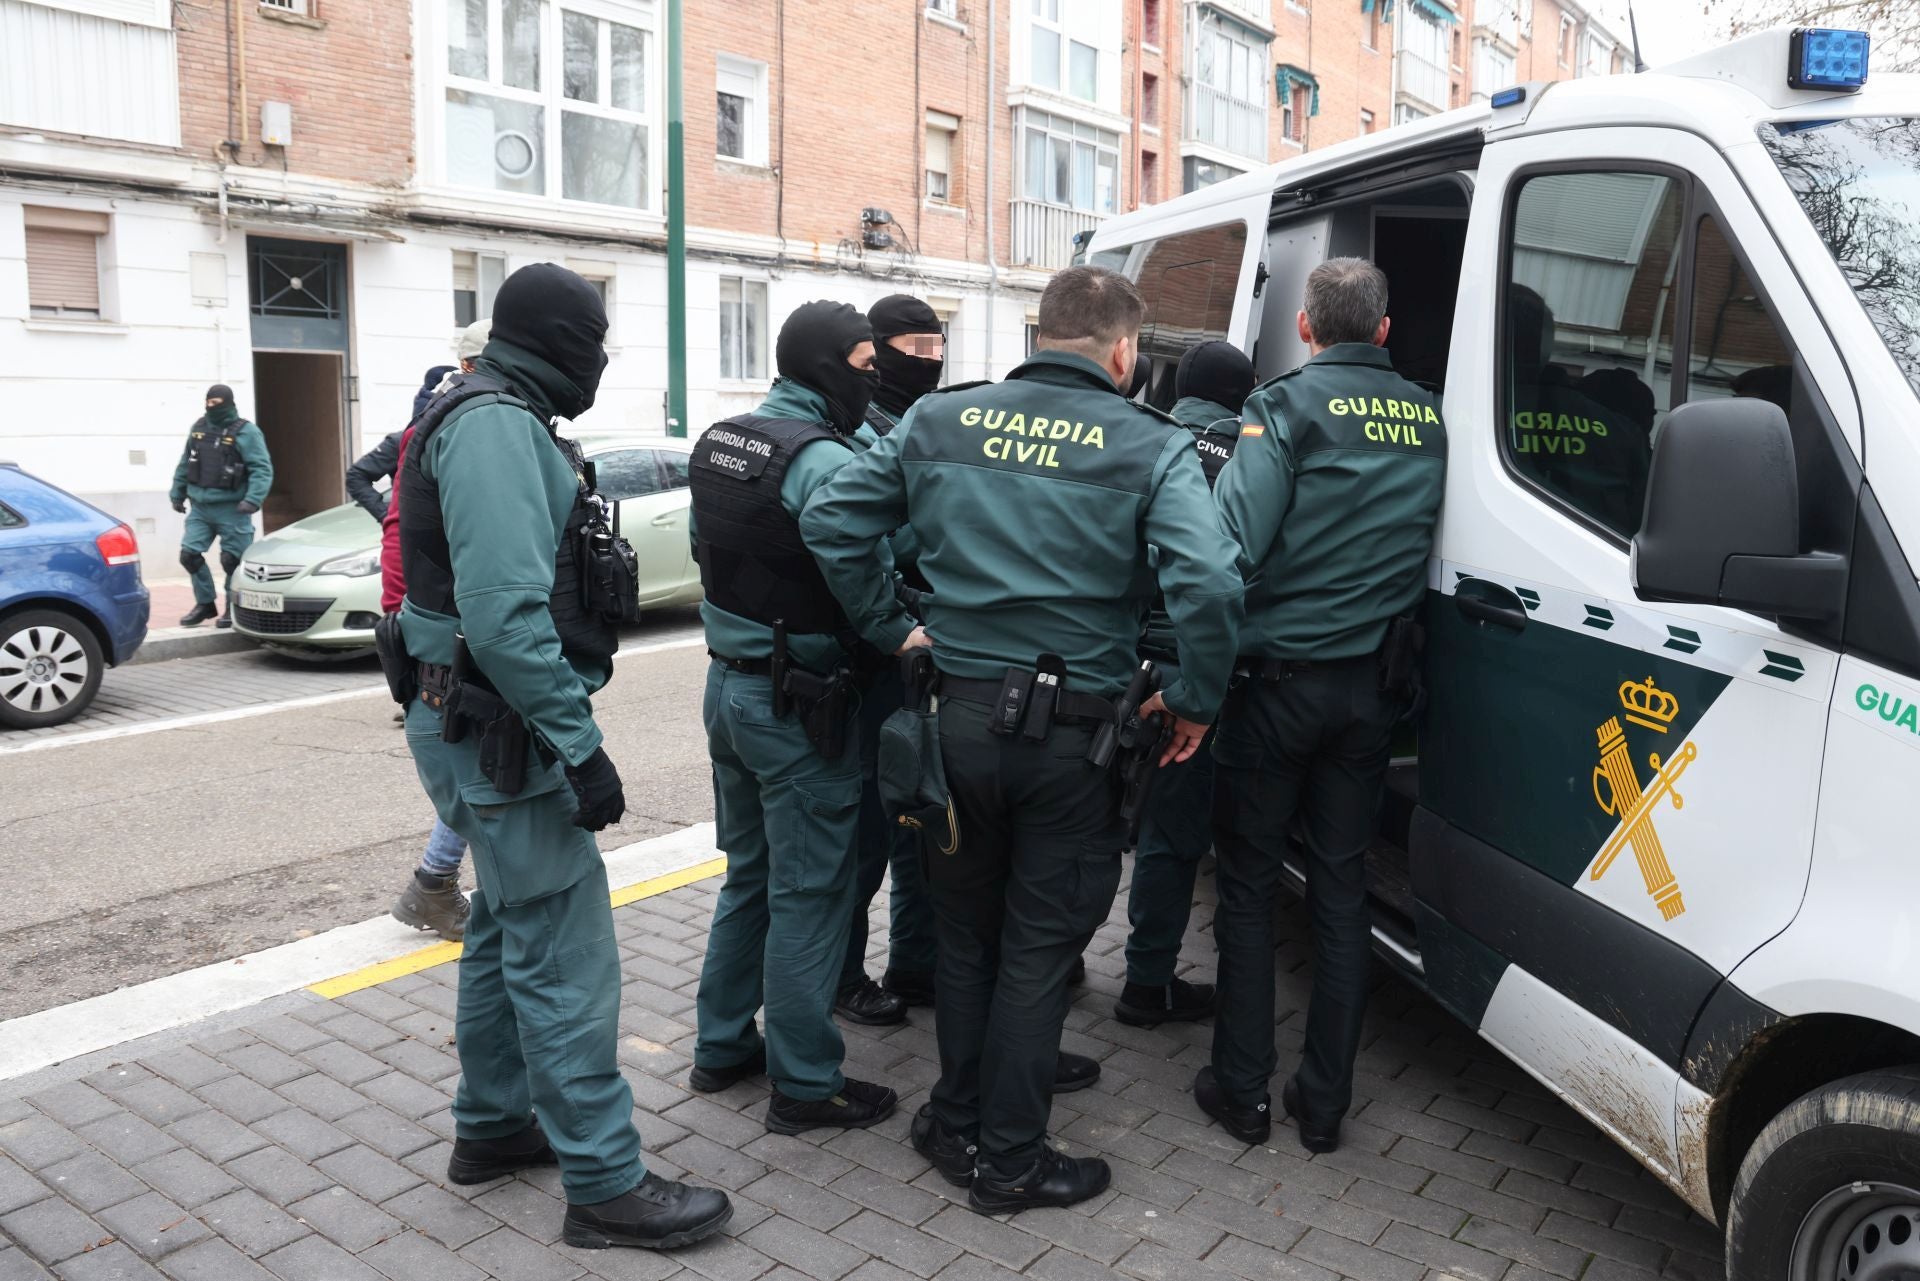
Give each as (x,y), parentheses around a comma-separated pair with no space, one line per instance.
(525,846)
(1098,868)
(815,852)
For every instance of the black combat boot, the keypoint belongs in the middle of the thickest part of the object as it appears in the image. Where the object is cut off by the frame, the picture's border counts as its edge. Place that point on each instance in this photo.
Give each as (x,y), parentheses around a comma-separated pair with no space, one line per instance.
(479,1160)
(434,903)
(225,620)
(1247,1124)
(713,1080)
(870,1004)
(951,1153)
(1177,1002)
(1074,1072)
(1315,1136)
(656,1215)
(199,614)
(859,1105)
(1055,1179)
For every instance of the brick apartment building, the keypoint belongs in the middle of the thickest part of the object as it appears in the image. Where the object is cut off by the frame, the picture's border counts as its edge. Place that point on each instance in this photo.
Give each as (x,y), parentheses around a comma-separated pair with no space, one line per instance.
(307,198)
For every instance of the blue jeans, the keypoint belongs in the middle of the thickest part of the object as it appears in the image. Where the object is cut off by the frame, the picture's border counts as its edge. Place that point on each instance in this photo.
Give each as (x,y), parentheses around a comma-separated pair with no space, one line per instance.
(445,849)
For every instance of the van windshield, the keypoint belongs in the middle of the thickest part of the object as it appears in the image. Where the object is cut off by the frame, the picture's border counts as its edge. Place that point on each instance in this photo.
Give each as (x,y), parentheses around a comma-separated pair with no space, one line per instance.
(1859,182)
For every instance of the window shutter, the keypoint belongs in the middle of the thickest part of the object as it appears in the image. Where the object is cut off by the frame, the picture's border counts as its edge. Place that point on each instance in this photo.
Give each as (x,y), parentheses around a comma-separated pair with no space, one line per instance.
(466,272)
(63,259)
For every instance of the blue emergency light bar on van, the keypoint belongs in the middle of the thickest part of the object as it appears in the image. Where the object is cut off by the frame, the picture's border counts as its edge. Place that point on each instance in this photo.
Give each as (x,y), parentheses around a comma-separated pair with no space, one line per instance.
(1825,58)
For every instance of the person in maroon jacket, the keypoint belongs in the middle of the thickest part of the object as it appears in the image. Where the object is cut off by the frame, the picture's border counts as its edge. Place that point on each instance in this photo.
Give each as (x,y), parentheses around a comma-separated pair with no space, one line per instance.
(432,899)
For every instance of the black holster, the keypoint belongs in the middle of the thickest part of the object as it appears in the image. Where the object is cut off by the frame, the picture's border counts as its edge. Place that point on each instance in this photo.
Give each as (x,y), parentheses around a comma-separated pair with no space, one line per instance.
(1131,747)
(469,706)
(823,704)
(1401,669)
(402,673)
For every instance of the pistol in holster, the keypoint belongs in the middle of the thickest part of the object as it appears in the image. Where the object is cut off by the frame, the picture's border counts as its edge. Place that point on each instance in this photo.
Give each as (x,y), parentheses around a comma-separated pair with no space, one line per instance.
(398,666)
(469,706)
(1130,745)
(822,702)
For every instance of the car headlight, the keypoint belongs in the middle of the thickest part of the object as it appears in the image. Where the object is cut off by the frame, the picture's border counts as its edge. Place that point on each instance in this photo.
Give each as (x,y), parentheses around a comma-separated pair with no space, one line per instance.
(358,565)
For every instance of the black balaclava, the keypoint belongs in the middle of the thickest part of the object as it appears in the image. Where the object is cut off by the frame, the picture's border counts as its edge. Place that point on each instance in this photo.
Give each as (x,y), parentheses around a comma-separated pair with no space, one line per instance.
(556,315)
(424,397)
(812,350)
(903,378)
(1216,371)
(222,414)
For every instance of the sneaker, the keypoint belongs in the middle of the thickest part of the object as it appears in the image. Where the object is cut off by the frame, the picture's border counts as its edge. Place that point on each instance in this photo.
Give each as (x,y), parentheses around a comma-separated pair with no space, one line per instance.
(434,903)
(1074,1072)
(1143,1005)
(713,1080)
(1247,1124)
(1314,1136)
(198,615)
(915,987)
(483,1160)
(950,1153)
(870,1004)
(859,1105)
(1055,1179)
(656,1215)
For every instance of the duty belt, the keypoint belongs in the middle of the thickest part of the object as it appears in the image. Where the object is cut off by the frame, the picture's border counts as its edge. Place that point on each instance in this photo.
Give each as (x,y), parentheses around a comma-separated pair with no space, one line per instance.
(1071,704)
(1273,669)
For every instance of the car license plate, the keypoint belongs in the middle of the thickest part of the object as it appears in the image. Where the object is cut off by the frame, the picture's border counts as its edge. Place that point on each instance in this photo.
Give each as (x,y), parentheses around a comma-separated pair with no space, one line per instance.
(265,602)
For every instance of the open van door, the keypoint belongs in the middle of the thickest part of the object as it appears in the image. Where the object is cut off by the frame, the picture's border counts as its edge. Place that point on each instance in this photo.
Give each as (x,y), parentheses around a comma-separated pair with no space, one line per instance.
(1617,798)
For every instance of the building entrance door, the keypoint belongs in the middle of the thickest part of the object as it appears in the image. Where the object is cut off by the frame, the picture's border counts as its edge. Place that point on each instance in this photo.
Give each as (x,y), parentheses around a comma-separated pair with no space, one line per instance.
(297,295)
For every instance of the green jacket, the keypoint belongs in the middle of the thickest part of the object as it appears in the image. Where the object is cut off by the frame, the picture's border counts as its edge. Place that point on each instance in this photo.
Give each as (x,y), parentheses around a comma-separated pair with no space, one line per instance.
(505,493)
(1196,415)
(252,444)
(1035,500)
(738,637)
(903,546)
(1332,494)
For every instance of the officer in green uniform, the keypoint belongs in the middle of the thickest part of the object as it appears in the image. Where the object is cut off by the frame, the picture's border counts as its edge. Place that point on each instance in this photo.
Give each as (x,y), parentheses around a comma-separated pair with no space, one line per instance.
(909,355)
(490,498)
(781,728)
(226,472)
(1212,381)
(1035,501)
(1332,495)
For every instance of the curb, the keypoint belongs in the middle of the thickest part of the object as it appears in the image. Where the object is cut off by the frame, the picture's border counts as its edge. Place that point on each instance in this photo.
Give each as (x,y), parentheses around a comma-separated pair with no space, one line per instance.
(166,643)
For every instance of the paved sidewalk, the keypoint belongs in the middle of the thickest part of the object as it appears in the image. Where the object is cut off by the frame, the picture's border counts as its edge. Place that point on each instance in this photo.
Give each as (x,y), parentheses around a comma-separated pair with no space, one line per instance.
(308,1141)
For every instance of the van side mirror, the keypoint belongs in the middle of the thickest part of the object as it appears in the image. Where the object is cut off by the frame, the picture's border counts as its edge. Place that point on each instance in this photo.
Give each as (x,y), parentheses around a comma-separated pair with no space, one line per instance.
(1722,520)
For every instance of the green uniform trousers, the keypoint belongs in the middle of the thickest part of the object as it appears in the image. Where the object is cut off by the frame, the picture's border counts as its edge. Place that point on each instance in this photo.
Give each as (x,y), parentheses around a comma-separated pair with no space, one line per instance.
(537,1026)
(1174,834)
(786,819)
(885,845)
(206,522)
(1034,875)
(1312,745)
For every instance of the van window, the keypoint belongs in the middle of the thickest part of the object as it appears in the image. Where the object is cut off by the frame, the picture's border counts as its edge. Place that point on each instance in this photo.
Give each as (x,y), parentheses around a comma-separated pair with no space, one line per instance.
(1734,348)
(1188,282)
(1587,363)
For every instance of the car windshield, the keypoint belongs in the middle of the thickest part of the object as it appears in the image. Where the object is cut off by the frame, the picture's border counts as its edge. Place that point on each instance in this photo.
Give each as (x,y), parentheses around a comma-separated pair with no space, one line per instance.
(1858,180)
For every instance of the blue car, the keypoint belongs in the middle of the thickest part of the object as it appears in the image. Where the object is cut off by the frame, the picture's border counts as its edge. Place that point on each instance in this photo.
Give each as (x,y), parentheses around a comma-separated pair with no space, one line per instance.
(71,600)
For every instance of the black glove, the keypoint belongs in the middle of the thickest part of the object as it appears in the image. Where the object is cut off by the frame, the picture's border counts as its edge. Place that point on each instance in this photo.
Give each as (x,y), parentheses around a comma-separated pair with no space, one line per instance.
(596,784)
(248,508)
(911,599)
(180,505)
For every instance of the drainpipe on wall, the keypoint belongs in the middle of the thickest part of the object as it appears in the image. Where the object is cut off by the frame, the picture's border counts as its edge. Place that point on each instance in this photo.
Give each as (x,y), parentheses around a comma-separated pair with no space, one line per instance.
(993,116)
(676,226)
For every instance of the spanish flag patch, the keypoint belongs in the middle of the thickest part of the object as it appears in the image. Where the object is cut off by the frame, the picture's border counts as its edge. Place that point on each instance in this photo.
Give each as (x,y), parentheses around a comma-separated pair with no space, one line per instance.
(1252,429)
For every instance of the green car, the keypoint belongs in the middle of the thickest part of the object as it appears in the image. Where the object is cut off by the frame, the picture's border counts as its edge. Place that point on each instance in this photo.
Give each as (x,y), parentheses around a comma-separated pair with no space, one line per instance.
(312,589)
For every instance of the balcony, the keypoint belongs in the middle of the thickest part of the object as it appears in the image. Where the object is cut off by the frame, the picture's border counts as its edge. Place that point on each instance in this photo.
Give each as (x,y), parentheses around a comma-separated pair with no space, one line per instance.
(1043,234)
(1229,123)
(1424,80)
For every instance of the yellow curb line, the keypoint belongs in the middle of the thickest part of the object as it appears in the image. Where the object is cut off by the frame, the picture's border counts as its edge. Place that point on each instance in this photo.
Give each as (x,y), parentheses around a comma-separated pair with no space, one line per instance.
(440,953)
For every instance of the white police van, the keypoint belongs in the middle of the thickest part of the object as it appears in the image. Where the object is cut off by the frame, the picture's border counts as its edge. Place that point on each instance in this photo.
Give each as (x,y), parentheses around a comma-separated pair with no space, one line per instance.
(1659,841)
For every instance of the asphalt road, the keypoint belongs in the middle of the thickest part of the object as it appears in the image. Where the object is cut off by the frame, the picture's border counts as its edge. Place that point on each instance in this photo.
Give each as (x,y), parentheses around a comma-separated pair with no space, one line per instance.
(177,845)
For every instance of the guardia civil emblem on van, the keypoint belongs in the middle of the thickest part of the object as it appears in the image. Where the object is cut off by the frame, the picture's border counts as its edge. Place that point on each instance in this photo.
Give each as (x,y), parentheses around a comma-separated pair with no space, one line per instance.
(1618,790)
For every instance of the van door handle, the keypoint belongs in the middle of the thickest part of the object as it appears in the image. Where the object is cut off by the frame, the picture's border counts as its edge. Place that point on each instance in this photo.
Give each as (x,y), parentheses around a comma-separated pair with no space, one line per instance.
(1486,602)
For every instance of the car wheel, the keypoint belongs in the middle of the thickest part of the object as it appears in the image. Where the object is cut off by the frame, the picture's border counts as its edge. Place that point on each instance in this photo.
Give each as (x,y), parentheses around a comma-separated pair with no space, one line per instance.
(50,668)
(1830,1191)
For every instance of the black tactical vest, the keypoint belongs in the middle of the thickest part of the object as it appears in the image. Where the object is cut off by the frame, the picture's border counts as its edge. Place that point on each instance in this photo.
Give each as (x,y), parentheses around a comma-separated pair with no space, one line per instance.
(1215,447)
(427,561)
(753,562)
(213,456)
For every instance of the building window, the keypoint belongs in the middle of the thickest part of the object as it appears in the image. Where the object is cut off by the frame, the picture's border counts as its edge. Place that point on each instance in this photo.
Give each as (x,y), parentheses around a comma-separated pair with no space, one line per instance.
(542,100)
(1149,177)
(743,329)
(943,131)
(1456,49)
(1423,56)
(945,8)
(740,110)
(63,262)
(1372,38)
(1229,104)
(302,7)
(1493,69)
(1150,22)
(1196,173)
(1069,163)
(1033,337)
(476,279)
(1149,100)
(1599,57)
(1057,60)
(1366,121)
(1294,113)
(1567,29)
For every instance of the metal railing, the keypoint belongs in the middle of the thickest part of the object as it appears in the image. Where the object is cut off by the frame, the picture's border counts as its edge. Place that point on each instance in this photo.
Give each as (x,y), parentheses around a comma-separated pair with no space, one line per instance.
(1043,234)
(1231,123)
(1424,80)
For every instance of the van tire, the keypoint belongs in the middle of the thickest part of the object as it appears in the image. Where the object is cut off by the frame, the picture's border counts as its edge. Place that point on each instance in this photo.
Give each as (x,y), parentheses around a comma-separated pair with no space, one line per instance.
(47,636)
(1830,1191)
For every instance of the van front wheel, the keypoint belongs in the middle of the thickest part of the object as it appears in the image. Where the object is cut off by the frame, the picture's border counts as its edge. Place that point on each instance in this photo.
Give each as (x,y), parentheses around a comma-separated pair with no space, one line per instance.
(1830,1191)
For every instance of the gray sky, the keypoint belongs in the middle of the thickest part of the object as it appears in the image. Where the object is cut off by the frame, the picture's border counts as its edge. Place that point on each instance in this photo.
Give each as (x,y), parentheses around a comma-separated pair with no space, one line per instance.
(1669,29)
